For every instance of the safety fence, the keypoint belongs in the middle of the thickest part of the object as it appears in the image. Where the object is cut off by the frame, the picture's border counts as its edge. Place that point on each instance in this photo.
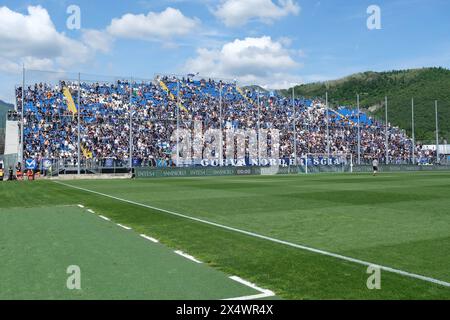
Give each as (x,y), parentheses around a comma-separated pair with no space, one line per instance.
(142,173)
(80,117)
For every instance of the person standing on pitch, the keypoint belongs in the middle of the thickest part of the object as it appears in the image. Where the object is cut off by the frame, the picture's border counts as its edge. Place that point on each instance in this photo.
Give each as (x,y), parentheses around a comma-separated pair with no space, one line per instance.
(11,174)
(375,166)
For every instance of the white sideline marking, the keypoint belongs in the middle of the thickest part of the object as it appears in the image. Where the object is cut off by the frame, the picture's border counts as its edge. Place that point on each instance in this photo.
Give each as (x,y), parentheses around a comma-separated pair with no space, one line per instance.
(255,235)
(81,206)
(122,226)
(105,218)
(181,253)
(149,238)
(265,293)
(91,211)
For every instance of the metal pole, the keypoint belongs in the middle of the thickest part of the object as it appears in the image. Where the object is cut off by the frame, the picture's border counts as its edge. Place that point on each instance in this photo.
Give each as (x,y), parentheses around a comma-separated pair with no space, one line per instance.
(328,126)
(22,143)
(386,130)
(78,126)
(413,135)
(295,126)
(131,125)
(221,122)
(437,131)
(178,120)
(259,128)
(359,131)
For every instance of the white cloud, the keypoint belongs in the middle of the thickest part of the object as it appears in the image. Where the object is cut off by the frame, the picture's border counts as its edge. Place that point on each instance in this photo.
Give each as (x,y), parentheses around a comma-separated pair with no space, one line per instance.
(32,39)
(98,40)
(8,66)
(259,61)
(38,63)
(238,12)
(166,24)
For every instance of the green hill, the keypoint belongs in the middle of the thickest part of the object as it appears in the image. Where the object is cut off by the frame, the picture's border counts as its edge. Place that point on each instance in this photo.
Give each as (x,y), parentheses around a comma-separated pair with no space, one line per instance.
(4,107)
(425,85)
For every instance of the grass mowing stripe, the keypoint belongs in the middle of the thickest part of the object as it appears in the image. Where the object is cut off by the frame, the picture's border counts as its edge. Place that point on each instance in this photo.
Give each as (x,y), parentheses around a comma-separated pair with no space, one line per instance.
(36,252)
(248,233)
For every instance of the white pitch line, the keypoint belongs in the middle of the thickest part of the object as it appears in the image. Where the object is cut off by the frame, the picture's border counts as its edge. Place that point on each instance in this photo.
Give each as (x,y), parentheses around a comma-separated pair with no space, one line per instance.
(81,206)
(149,238)
(122,226)
(91,211)
(254,297)
(105,218)
(265,293)
(286,243)
(181,253)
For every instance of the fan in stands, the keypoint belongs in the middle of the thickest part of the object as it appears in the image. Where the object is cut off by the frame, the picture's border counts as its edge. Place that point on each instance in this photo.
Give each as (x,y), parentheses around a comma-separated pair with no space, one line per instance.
(158,107)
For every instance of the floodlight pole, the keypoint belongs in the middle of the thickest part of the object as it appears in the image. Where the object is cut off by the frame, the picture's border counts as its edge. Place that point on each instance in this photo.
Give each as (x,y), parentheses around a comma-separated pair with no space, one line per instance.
(22,144)
(386,129)
(178,121)
(78,125)
(131,125)
(259,128)
(359,131)
(437,131)
(295,126)
(328,125)
(221,122)
(413,134)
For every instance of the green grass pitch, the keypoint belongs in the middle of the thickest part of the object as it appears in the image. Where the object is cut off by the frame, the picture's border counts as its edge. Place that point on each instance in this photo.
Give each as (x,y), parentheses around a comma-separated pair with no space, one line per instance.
(399,220)
(39,244)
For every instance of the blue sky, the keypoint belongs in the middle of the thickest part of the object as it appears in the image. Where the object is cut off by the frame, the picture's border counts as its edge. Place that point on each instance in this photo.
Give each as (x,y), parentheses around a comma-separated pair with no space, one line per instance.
(274,43)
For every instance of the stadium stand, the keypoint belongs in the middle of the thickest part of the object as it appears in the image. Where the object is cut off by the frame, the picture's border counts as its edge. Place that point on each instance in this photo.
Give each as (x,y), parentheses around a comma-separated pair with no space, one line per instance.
(50,128)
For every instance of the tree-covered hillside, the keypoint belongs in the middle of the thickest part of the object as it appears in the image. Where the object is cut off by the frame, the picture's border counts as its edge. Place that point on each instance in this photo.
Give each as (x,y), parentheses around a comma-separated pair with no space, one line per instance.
(424,85)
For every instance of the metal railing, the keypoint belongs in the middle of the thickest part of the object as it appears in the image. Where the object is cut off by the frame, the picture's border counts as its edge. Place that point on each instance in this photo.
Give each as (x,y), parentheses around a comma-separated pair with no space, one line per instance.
(82,84)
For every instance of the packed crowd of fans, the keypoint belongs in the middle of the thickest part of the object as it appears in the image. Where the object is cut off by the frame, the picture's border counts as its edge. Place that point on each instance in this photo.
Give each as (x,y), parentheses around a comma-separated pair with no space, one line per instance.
(50,129)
